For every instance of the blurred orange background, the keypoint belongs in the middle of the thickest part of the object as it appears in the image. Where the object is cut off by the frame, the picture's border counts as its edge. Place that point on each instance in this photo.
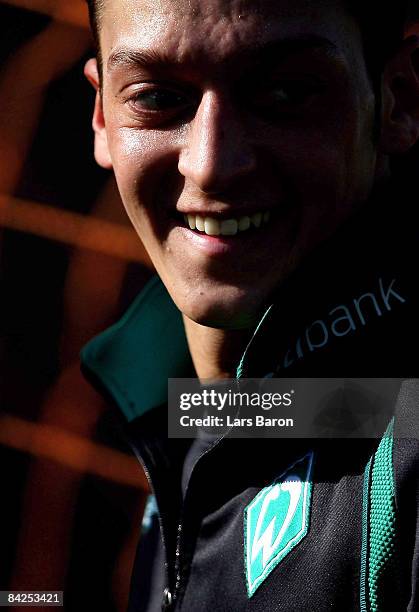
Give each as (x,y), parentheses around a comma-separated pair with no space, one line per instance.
(69,266)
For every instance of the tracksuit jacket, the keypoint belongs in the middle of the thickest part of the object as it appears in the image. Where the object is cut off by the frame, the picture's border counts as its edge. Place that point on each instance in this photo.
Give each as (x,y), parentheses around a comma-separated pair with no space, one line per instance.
(293,525)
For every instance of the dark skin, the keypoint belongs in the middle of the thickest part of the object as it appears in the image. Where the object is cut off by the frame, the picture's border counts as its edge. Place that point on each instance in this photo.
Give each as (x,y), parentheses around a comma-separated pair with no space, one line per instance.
(228,109)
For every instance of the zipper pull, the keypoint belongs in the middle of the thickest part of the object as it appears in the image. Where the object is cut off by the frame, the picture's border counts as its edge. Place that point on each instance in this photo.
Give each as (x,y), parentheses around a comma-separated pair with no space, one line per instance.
(167,600)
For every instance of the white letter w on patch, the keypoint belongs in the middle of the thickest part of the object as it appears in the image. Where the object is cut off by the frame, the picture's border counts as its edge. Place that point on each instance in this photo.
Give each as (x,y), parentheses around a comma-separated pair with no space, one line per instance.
(276,521)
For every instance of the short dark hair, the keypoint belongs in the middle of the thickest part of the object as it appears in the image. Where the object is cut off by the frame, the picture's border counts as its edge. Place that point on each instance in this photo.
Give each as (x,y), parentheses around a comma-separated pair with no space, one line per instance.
(382,26)
(95,11)
(95,8)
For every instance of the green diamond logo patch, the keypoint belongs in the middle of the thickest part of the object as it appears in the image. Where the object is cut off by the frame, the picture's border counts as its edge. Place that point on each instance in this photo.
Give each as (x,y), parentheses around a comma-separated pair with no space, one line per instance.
(276,521)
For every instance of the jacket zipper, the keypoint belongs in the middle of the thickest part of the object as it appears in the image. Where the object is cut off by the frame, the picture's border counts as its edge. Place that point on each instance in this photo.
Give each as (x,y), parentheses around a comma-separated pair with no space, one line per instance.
(179,535)
(177,561)
(160,519)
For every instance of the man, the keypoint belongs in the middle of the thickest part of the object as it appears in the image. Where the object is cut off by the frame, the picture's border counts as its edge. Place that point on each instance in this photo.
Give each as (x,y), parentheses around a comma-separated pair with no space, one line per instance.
(253,147)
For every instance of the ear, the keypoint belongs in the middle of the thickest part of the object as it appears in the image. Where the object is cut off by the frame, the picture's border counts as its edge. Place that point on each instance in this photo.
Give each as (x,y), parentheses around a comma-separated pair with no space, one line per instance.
(102,154)
(400,99)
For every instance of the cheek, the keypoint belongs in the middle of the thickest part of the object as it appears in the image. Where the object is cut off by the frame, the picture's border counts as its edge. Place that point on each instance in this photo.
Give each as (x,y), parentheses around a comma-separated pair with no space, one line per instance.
(330,169)
(330,163)
(133,153)
(141,161)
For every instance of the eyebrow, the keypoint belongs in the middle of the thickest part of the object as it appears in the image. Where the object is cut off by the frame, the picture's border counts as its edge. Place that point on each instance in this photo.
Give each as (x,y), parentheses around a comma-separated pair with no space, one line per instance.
(126,57)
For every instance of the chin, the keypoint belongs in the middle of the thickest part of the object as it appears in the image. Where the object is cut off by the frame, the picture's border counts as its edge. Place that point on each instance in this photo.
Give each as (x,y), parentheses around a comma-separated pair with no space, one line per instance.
(225,312)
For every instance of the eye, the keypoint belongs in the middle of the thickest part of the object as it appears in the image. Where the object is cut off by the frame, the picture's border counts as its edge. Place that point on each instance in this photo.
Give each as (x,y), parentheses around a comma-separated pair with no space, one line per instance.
(158,100)
(155,105)
(291,92)
(287,95)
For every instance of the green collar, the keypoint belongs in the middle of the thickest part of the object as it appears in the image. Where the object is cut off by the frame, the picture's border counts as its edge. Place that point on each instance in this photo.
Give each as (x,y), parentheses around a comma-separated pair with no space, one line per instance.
(132,360)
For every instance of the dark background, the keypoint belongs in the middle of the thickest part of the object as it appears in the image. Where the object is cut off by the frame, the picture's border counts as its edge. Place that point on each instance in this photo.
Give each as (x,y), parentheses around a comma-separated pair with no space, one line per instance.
(62,527)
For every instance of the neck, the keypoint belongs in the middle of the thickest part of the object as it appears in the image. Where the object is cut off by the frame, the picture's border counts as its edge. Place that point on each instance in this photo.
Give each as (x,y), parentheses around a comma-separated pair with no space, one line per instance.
(215,352)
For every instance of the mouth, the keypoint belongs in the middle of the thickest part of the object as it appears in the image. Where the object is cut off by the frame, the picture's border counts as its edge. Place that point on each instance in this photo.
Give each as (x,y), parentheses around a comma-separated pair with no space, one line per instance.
(231,226)
(258,235)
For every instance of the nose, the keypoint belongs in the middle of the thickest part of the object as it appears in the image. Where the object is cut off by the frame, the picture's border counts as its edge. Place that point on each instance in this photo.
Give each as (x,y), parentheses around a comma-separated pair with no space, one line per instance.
(216,152)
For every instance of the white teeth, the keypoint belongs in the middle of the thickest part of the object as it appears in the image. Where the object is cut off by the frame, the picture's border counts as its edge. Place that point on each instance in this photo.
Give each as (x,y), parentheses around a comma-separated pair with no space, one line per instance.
(244,224)
(200,225)
(212,226)
(227,227)
(257,219)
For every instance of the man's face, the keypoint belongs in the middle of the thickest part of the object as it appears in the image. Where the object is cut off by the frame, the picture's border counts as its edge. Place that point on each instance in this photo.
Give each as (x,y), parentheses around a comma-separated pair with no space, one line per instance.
(235,112)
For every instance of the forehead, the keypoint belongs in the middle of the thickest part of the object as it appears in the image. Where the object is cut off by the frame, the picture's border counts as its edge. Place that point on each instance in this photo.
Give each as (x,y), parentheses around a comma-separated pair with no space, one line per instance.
(210,31)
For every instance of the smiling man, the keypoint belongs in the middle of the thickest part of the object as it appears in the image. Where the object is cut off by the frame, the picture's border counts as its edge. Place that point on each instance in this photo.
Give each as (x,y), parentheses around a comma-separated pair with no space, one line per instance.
(253,144)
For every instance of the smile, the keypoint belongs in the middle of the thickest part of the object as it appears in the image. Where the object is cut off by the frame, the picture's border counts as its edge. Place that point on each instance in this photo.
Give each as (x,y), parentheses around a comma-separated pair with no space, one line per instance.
(226,227)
